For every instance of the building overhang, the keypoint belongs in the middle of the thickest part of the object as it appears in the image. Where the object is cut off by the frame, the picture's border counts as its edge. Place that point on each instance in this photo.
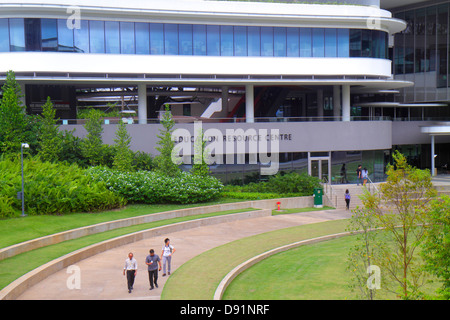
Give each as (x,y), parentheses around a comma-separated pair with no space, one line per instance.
(439,129)
(213,12)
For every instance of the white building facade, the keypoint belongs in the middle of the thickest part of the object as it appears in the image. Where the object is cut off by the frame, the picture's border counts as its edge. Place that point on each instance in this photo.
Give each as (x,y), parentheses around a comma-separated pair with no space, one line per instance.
(321,75)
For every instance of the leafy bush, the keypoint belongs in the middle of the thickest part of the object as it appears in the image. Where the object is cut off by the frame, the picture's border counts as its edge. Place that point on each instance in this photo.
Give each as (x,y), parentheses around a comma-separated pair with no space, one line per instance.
(53,188)
(155,187)
(290,184)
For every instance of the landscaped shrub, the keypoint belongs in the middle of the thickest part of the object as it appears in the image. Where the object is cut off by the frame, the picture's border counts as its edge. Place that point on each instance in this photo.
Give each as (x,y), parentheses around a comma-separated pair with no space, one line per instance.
(155,187)
(290,184)
(53,188)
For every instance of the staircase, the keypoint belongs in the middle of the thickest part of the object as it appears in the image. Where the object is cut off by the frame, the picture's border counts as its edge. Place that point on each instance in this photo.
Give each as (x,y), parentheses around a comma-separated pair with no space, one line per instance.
(335,194)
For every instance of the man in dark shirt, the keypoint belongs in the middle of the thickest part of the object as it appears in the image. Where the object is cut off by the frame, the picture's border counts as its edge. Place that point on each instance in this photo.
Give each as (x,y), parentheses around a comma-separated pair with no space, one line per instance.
(151,261)
(358,175)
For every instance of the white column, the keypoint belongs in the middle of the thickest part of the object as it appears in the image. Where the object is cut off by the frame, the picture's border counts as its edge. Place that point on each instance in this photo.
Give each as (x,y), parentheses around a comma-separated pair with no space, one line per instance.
(432,156)
(249,103)
(346,103)
(142,103)
(336,102)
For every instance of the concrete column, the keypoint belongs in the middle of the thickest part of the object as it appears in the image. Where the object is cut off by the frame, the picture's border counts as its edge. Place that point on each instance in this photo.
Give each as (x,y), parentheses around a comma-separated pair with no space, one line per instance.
(346,103)
(337,102)
(142,103)
(433,165)
(249,103)
(225,100)
(320,104)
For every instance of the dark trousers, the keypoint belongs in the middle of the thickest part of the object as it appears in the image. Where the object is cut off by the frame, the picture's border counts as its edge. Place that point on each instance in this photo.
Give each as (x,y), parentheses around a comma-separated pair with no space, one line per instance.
(130,279)
(347,203)
(153,277)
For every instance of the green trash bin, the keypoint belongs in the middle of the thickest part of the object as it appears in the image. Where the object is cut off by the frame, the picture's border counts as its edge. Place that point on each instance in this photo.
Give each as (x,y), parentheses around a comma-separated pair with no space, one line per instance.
(318,198)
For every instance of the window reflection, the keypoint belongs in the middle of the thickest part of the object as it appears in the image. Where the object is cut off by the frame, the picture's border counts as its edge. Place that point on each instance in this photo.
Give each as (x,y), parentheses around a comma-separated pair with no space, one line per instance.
(185,39)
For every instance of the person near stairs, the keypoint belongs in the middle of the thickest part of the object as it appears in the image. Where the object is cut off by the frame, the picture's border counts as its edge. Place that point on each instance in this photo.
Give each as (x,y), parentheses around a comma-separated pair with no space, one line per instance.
(347,199)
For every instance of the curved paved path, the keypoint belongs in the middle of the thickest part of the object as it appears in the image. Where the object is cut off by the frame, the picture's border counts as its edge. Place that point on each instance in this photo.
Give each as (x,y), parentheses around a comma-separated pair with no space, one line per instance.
(101,275)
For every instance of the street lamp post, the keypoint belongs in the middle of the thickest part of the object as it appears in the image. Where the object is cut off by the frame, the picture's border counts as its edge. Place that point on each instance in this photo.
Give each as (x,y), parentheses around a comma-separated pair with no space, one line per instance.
(23,145)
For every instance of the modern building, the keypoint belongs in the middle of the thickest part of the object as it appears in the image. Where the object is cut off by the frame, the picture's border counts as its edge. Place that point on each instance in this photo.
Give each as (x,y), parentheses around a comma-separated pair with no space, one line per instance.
(333,82)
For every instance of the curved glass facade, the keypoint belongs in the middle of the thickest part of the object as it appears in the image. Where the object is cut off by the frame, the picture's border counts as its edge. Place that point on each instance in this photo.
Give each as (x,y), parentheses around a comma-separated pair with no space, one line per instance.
(30,34)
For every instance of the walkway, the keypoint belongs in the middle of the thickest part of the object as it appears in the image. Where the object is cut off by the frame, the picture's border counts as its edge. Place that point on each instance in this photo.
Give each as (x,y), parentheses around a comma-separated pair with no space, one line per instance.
(101,275)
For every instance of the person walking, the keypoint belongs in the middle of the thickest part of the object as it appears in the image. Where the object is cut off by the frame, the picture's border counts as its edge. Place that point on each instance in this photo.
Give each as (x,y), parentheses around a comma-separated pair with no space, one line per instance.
(347,199)
(358,175)
(365,175)
(131,270)
(343,174)
(167,251)
(152,262)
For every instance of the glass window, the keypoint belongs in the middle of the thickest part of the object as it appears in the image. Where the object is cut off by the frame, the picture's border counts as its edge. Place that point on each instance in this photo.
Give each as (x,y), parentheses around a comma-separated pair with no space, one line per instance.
(213,40)
(170,39)
(65,37)
(17,34)
(254,41)
(49,35)
(156,38)
(127,40)
(199,39)
(279,43)
(142,38)
(431,53)
(226,40)
(409,41)
(185,38)
(267,41)
(240,41)
(33,39)
(97,36)
(292,40)
(355,43)
(442,31)
(305,42)
(343,42)
(330,43)
(318,42)
(112,37)
(81,37)
(4,35)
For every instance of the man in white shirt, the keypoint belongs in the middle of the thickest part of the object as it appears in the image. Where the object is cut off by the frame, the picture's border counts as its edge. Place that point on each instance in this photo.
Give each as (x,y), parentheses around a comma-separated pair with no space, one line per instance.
(131,269)
(166,255)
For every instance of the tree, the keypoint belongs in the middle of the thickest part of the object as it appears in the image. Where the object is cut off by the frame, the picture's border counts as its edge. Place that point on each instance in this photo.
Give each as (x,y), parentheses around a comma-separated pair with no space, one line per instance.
(164,162)
(13,122)
(92,144)
(200,167)
(123,157)
(50,140)
(405,203)
(436,247)
(364,225)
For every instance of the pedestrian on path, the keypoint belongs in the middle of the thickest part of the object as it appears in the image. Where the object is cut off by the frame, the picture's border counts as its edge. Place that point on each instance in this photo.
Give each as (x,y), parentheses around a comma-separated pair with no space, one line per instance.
(152,262)
(358,175)
(347,199)
(131,269)
(167,251)
(365,176)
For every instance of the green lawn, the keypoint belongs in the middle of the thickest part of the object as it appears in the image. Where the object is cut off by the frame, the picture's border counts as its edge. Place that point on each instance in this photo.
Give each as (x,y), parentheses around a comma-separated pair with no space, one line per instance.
(316,271)
(299,210)
(16,230)
(16,266)
(199,277)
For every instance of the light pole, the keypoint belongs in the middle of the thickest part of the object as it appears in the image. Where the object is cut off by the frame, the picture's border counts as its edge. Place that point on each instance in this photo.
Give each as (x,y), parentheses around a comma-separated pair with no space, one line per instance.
(23,145)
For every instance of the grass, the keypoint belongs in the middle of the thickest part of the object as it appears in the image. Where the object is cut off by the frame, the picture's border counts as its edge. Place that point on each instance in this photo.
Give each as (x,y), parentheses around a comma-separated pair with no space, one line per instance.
(16,230)
(16,266)
(299,210)
(311,272)
(198,278)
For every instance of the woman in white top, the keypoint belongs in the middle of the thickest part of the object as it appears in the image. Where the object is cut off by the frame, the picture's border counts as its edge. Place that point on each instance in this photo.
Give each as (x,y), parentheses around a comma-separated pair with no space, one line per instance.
(166,254)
